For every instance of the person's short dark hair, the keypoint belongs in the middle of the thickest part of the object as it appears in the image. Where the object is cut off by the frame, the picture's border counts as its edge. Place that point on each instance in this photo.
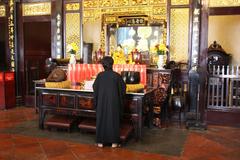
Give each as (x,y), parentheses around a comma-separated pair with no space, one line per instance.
(107,62)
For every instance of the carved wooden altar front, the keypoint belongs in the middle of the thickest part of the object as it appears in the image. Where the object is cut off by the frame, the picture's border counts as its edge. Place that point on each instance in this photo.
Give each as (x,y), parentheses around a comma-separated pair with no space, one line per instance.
(138,107)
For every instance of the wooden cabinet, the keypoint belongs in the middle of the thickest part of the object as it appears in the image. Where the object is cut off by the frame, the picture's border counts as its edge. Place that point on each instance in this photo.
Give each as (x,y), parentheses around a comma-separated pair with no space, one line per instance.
(7,90)
(159,79)
(85,102)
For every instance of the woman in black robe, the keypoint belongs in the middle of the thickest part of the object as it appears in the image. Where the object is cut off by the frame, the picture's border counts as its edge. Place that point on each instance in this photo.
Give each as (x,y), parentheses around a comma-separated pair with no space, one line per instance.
(109,91)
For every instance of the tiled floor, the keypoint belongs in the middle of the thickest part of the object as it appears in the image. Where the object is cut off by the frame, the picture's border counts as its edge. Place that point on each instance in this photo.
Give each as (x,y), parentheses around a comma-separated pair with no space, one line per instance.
(217,142)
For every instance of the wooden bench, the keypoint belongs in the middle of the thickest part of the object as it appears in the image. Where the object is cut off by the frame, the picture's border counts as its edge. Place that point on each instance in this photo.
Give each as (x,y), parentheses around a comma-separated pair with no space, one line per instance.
(60,122)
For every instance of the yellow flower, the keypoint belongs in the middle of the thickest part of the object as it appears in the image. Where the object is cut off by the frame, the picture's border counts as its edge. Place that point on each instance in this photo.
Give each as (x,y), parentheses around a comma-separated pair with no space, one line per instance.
(119,57)
(72,48)
(161,49)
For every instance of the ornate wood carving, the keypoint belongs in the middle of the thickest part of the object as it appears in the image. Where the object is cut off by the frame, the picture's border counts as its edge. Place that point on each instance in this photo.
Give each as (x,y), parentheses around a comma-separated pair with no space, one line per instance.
(36,9)
(85,102)
(55,101)
(2,10)
(66,101)
(49,99)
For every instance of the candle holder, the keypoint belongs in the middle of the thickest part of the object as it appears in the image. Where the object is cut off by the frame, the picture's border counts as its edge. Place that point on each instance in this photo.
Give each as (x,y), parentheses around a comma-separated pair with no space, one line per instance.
(99,54)
(136,56)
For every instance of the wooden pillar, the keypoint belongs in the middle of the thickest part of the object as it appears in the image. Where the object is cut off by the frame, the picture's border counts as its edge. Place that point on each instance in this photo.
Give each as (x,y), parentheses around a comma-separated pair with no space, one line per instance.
(197,73)
(57,29)
(203,58)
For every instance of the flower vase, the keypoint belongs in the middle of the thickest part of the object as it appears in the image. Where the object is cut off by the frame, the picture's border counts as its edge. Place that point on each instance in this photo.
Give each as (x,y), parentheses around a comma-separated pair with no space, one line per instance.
(160,62)
(72,59)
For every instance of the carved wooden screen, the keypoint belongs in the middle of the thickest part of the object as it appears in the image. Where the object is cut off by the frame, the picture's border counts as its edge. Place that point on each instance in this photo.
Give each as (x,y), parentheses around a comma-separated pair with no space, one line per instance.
(178,30)
(73,28)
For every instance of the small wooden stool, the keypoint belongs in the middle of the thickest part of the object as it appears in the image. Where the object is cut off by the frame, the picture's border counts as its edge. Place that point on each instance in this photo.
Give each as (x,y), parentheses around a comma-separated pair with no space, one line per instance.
(90,125)
(58,121)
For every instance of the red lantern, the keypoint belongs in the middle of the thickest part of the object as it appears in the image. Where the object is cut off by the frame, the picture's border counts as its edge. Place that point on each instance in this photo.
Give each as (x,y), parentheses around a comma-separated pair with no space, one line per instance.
(99,55)
(136,56)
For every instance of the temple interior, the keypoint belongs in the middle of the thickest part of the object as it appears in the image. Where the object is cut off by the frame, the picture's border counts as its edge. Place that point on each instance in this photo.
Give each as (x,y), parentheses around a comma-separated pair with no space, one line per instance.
(179,60)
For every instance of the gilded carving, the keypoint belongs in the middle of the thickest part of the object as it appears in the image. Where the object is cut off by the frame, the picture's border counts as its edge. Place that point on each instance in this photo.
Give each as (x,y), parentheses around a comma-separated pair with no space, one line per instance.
(36,9)
(157,19)
(156,2)
(72,7)
(106,3)
(139,2)
(102,39)
(94,9)
(121,3)
(179,25)
(2,11)
(155,10)
(224,3)
(179,2)
(90,4)
(89,13)
(160,10)
(111,19)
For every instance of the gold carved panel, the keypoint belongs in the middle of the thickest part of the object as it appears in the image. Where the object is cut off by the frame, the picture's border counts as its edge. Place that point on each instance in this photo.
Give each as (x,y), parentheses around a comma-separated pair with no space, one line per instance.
(73,32)
(156,2)
(224,3)
(36,9)
(105,3)
(179,27)
(139,2)
(2,11)
(90,4)
(110,19)
(179,2)
(94,9)
(160,10)
(72,7)
(155,10)
(89,13)
(121,3)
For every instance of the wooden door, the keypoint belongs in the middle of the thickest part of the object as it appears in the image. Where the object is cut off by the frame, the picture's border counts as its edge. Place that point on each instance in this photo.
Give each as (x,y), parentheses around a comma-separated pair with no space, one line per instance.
(34,49)
(37,48)
(3,44)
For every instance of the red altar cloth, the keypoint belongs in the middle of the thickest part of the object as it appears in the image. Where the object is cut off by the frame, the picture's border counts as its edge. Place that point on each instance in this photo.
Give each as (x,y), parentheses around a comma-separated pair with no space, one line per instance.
(79,72)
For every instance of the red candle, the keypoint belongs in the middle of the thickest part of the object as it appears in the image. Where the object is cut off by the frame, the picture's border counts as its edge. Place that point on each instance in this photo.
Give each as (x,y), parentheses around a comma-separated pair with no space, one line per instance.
(69,72)
(78,73)
(73,73)
(94,69)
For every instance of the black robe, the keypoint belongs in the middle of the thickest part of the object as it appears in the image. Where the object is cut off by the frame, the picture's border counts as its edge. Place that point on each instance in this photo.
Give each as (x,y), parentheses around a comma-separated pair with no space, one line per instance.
(109,91)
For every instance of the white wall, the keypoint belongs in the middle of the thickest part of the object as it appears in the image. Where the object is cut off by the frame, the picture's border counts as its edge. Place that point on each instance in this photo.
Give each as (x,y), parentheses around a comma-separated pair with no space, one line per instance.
(92,33)
(226,31)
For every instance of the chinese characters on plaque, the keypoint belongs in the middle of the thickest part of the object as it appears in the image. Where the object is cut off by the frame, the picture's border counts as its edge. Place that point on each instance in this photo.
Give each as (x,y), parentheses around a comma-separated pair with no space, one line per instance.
(11,37)
(195,36)
(58,34)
